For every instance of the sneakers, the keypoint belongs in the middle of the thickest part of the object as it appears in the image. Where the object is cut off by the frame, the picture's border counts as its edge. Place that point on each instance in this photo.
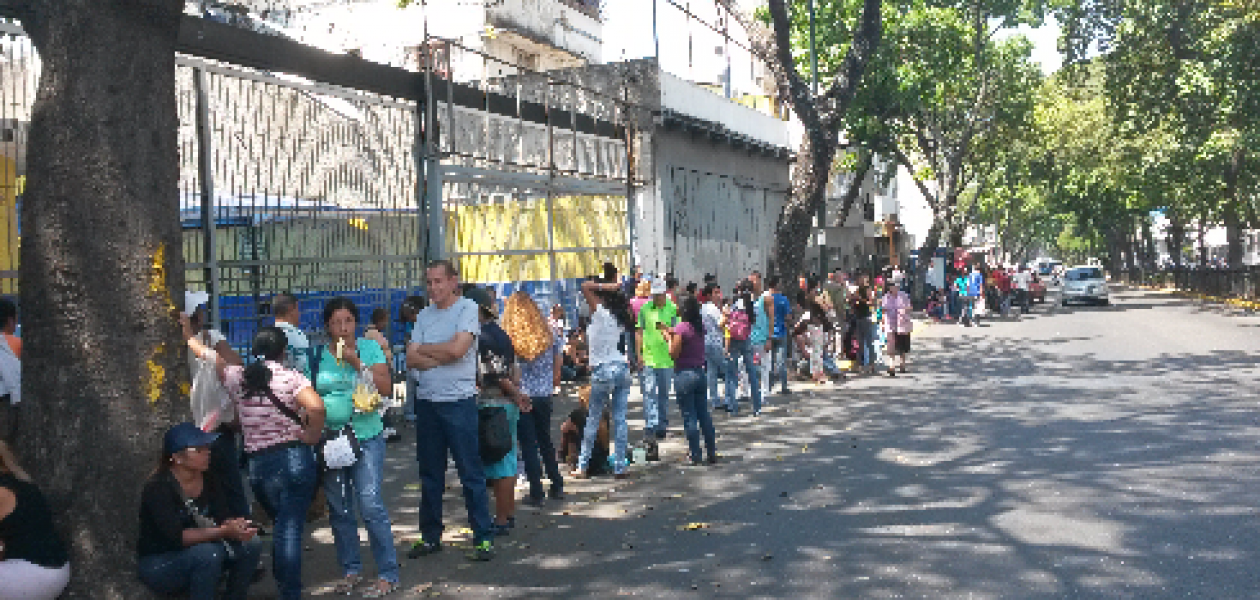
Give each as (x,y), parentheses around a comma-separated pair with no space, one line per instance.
(556,492)
(653,451)
(533,501)
(482,552)
(423,548)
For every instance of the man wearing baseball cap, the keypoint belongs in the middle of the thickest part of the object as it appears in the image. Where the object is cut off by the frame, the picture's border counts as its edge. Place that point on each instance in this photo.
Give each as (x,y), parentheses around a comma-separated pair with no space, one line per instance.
(658,365)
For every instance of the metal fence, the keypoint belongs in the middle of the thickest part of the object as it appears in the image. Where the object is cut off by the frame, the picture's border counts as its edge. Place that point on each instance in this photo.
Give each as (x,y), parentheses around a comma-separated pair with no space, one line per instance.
(288,184)
(1223,283)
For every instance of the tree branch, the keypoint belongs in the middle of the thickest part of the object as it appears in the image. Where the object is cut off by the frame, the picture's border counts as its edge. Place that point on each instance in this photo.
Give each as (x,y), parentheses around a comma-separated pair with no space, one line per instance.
(797,90)
(865,41)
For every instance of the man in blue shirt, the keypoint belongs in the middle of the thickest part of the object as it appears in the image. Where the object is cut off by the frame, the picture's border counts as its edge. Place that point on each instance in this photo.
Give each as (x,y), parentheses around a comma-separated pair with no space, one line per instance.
(779,335)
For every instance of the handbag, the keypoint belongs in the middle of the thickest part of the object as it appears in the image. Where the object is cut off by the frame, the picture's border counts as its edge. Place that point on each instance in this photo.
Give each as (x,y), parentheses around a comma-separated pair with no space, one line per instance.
(493,433)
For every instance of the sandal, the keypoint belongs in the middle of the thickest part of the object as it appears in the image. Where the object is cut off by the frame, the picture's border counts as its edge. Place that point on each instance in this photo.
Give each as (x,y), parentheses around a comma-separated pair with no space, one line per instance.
(346,586)
(381,589)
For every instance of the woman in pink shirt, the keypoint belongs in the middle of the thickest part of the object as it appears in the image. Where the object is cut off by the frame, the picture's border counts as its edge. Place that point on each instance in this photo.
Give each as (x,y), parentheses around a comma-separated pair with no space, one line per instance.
(897,324)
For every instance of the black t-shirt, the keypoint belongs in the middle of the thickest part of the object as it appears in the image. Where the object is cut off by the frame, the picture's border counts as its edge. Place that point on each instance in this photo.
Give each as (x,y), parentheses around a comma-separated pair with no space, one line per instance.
(495,353)
(28,532)
(861,303)
(164,517)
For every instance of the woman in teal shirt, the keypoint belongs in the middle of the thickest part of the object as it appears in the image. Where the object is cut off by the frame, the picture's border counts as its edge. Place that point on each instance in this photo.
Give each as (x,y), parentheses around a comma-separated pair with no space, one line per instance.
(334,382)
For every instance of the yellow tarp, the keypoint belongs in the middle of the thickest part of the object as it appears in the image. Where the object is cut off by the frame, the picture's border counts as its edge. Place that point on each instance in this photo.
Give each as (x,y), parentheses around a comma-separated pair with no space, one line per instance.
(580,222)
(8,224)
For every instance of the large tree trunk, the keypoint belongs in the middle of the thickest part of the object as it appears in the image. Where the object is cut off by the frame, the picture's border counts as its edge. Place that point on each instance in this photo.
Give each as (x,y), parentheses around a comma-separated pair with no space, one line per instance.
(101,275)
(927,252)
(1232,212)
(809,192)
(1202,241)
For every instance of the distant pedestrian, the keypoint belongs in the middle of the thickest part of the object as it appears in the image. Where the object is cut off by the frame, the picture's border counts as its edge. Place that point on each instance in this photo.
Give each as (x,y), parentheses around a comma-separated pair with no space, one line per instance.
(897,325)
(862,303)
(739,320)
(714,343)
(779,306)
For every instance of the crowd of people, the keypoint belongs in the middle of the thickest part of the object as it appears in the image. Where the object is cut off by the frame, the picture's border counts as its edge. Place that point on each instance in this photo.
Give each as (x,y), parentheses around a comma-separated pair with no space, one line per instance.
(308,421)
(972,292)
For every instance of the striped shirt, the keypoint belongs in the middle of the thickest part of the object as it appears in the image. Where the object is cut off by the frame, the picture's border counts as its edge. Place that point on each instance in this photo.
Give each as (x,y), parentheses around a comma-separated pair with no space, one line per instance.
(262,424)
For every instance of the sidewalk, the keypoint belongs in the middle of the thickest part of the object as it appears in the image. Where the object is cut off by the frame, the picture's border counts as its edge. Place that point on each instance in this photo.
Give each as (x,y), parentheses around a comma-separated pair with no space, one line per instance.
(566,548)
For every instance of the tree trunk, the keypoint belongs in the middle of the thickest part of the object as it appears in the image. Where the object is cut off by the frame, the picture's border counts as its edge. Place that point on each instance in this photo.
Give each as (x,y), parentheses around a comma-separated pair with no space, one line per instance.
(1203,249)
(102,272)
(1232,211)
(927,252)
(809,192)
(1176,237)
(1150,258)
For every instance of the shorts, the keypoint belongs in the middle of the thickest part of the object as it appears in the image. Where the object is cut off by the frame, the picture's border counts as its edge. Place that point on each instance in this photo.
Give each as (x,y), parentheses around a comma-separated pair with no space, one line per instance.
(901,341)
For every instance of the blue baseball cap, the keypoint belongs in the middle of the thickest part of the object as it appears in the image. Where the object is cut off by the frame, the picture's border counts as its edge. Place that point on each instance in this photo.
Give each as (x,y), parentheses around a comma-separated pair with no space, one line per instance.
(185,435)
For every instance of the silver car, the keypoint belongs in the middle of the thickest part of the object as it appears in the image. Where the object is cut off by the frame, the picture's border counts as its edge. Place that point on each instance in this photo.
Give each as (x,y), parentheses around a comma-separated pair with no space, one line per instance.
(1085,284)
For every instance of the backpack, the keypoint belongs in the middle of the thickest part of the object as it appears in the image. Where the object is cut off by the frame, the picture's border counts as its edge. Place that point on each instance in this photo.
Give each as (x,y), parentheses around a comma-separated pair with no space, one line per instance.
(739,325)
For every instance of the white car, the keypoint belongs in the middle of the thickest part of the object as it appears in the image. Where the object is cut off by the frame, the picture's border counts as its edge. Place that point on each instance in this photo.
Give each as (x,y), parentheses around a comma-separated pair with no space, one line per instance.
(1085,284)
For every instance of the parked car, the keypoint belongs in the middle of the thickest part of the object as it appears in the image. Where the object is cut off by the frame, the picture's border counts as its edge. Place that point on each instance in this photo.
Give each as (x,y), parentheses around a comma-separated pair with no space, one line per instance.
(1085,284)
(1036,290)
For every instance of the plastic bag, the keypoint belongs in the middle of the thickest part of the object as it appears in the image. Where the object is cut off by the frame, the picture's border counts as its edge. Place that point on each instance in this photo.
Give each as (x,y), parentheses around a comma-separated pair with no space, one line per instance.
(365,395)
(211,404)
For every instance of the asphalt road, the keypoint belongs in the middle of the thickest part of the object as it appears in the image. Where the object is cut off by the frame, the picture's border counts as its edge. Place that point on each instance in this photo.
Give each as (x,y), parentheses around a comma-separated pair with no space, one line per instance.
(1086,452)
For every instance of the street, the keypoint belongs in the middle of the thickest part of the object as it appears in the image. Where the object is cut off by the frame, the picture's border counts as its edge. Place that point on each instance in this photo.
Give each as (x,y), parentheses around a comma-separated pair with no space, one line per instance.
(1082,452)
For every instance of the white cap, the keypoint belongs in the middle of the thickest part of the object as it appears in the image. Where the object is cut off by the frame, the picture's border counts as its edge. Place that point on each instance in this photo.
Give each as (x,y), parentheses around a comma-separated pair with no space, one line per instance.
(658,286)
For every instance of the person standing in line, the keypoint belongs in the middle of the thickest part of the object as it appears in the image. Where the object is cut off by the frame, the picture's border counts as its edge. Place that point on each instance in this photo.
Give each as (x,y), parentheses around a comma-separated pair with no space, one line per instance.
(642,295)
(610,376)
(278,441)
(687,346)
(898,325)
(442,356)
(500,388)
(863,304)
(288,315)
(739,321)
(10,370)
(778,306)
(34,563)
(217,413)
(760,340)
(375,331)
(340,364)
(538,353)
(658,366)
(714,343)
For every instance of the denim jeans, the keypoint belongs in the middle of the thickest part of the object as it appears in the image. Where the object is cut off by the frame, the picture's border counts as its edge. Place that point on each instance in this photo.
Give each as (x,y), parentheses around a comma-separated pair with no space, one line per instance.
(610,386)
(195,571)
(689,387)
(443,427)
(283,479)
(655,399)
(968,311)
(762,357)
(779,362)
(715,367)
(225,463)
(742,350)
(533,435)
(867,332)
(362,482)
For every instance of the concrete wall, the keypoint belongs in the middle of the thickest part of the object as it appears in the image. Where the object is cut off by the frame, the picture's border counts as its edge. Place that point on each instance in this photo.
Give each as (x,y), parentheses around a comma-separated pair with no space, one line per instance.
(713,208)
(549,22)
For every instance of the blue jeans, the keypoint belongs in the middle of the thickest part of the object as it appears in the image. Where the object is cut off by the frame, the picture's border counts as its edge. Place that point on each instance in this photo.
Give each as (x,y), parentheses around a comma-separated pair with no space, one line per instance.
(715,366)
(867,333)
(689,389)
(196,570)
(443,427)
(656,399)
(533,435)
(610,385)
(283,479)
(225,463)
(742,350)
(778,362)
(362,481)
(968,311)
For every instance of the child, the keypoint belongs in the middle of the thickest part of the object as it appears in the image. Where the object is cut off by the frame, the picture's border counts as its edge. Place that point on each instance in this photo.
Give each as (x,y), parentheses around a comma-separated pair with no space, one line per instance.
(571,436)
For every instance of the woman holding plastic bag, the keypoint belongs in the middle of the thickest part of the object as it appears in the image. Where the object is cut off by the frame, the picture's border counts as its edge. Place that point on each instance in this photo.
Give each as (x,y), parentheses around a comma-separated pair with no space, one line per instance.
(350,371)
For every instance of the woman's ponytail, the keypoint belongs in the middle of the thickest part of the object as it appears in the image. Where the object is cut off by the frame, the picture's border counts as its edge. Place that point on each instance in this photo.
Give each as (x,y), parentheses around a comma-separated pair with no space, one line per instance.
(269,344)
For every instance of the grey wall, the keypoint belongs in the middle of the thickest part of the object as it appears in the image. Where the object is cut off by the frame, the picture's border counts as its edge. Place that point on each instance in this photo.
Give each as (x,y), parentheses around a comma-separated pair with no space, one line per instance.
(713,210)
